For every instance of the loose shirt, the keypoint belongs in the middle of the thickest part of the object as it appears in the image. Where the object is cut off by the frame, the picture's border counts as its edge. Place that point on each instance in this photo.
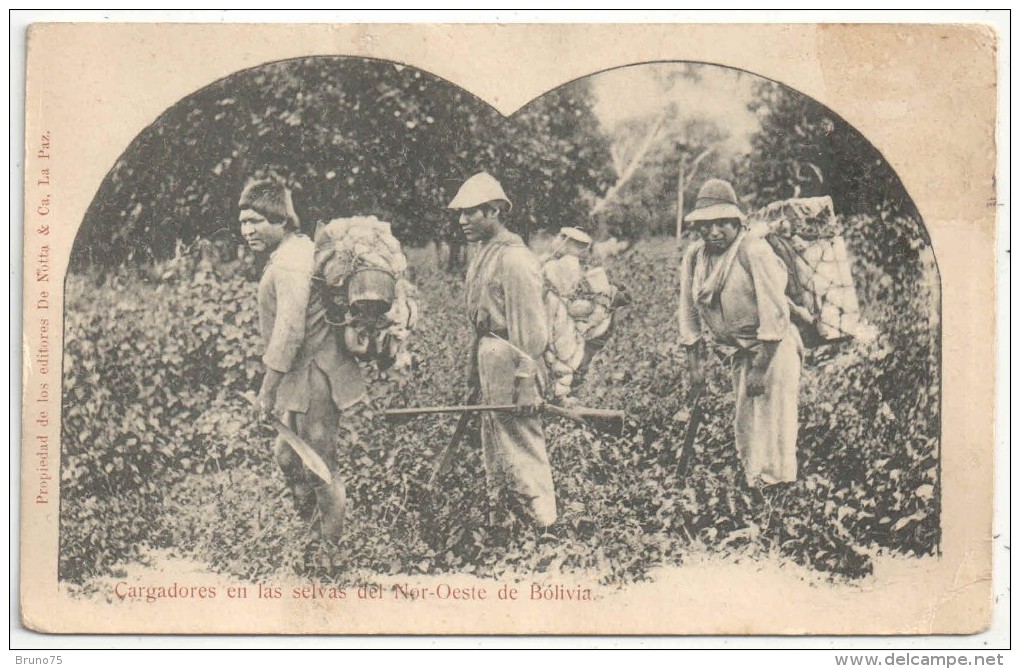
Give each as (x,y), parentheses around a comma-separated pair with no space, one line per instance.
(738,297)
(504,296)
(295,333)
(505,306)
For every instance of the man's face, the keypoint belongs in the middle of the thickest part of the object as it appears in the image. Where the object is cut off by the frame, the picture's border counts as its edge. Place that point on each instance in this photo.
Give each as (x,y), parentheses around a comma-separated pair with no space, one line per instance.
(479,223)
(719,234)
(261,235)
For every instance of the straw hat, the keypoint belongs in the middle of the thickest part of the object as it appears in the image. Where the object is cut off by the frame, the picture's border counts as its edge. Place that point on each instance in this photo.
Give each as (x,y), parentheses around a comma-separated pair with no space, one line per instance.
(716,200)
(477,190)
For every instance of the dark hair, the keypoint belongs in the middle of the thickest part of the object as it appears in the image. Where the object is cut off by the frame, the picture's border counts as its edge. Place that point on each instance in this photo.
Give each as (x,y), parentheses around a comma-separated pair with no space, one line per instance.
(500,206)
(271,199)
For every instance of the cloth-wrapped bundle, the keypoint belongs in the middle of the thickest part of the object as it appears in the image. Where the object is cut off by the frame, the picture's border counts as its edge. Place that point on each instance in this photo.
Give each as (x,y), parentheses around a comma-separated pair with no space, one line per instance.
(807,236)
(359,267)
(804,217)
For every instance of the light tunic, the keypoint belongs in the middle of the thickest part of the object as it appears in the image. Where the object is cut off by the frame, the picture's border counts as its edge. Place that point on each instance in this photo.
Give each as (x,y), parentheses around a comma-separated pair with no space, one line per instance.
(296,336)
(738,298)
(504,303)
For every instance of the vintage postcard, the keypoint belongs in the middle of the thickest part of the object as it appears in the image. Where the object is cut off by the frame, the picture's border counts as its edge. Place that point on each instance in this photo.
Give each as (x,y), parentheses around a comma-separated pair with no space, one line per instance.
(508,329)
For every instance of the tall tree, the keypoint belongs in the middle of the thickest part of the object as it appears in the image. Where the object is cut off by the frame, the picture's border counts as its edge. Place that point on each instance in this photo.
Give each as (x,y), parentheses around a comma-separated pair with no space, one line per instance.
(803,149)
(353,136)
(650,156)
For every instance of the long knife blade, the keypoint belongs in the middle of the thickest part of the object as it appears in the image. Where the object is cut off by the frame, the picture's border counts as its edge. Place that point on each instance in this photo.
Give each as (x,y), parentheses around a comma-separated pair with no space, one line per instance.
(441,464)
(693,423)
(308,456)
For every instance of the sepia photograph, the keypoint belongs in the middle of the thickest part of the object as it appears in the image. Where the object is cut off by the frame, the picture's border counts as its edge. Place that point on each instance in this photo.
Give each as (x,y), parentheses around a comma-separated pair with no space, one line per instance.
(336,329)
(721,337)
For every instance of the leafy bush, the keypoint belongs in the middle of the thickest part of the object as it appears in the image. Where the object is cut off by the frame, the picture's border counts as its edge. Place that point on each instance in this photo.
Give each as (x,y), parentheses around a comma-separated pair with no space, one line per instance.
(159,450)
(151,372)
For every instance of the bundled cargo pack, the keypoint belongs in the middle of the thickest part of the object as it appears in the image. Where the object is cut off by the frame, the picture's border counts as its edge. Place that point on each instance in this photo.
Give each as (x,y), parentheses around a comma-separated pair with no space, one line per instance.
(806,235)
(580,302)
(359,269)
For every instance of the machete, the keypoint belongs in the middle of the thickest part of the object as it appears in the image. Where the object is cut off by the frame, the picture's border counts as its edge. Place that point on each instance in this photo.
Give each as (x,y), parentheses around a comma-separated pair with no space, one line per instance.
(693,423)
(441,464)
(308,456)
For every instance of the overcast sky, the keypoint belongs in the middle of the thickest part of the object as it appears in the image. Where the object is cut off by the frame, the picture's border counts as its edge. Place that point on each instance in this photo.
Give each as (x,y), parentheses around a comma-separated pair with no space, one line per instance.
(637,91)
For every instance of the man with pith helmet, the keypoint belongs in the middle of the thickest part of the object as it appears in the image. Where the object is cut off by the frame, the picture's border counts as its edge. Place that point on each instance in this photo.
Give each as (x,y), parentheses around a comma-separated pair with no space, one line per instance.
(504,302)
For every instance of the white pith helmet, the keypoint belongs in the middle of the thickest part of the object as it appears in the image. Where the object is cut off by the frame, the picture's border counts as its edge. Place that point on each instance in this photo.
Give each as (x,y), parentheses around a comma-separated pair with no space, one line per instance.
(477,190)
(574,234)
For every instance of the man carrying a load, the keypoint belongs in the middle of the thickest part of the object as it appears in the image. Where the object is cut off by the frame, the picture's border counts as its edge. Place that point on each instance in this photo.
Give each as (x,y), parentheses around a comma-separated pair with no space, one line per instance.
(309,378)
(504,290)
(732,288)
(581,305)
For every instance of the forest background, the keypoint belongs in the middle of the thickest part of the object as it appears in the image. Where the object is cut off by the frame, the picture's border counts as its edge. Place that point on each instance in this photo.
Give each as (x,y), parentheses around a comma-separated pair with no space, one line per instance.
(160,331)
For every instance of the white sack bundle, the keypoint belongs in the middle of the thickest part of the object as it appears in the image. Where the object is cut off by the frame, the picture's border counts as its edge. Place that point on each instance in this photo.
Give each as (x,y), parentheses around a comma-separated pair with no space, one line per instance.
(360,266)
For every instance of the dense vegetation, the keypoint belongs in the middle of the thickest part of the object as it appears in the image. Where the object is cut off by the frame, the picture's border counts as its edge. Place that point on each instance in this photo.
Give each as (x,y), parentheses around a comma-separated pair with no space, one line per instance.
(158,450)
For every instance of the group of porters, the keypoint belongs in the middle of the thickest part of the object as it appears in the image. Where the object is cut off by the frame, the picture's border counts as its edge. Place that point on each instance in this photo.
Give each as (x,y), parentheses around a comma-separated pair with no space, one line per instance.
(756,289)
